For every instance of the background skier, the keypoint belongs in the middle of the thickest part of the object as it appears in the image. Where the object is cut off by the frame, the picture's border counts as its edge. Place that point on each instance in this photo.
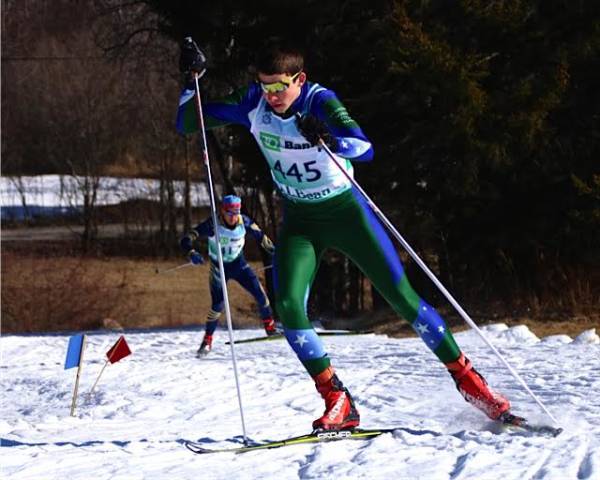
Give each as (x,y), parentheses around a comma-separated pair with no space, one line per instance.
(232,232)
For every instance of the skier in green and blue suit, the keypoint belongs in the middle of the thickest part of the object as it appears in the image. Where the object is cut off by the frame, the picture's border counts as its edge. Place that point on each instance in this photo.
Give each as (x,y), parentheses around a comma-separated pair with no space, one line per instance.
(287,115)
(233,227)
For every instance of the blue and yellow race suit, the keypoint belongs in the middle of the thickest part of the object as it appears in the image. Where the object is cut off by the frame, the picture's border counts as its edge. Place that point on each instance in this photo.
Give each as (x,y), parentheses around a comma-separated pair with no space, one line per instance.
(235,265)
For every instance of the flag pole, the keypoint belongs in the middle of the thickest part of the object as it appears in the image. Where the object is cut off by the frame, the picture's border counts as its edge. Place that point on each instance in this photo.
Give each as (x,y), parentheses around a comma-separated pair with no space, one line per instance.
(74,401)
(98,379)
(263,268)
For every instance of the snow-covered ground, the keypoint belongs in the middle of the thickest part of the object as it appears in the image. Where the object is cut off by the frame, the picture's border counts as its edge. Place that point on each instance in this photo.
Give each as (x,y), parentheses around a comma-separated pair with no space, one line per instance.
(146,405)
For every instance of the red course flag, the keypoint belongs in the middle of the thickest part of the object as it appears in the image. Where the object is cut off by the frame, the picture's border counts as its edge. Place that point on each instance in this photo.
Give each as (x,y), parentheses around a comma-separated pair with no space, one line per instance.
(118,351)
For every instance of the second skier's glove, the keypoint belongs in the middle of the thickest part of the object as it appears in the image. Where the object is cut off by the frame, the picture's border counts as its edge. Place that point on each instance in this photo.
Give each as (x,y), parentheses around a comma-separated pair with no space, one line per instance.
(187,242)
(195,257)
(312,129)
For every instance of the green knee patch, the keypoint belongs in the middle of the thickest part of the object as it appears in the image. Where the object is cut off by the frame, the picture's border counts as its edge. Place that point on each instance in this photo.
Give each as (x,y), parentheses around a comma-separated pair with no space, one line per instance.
(448,350)
(317,365)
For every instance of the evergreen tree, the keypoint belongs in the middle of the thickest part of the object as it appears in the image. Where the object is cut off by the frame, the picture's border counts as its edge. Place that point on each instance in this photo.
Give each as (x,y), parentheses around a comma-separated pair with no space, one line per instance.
(483,115)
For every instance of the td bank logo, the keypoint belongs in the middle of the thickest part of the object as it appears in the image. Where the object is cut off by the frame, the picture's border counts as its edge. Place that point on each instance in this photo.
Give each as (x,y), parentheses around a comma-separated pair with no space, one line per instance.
(270,141)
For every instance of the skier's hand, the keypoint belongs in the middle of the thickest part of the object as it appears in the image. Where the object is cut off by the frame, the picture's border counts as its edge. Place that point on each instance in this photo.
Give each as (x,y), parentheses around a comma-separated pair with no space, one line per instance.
(192,60)
(187,242)
(195,257)
(268,245)
(312,129)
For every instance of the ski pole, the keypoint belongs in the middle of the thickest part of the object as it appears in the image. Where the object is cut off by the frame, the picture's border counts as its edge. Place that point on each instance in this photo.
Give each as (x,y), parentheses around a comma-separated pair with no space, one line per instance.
(432,276)
(213,209)
(172,269)
(263,268)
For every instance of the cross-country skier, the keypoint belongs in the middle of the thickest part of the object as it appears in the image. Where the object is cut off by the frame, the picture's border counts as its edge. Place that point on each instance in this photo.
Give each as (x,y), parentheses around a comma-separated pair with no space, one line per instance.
(287,115)
(233,227)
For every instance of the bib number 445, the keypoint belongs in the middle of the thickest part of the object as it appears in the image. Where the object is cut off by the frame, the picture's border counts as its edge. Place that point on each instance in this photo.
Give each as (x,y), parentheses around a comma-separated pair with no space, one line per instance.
(304,173)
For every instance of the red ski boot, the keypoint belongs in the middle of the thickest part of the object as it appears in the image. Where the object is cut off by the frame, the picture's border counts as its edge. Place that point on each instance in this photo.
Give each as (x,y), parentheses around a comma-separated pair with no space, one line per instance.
(205,346)
(269,325)
(475,389)
(340,412)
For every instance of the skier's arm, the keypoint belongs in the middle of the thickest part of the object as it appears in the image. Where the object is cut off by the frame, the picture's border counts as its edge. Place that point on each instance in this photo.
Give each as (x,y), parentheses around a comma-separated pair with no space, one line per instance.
(350,141)
(202,230)
(263,240)
(234,108)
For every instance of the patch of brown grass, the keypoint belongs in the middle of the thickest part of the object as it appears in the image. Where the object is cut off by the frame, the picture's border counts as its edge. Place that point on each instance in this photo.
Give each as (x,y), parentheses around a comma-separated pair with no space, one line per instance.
(50,294)
(58,292)
(182,297)
(66,293)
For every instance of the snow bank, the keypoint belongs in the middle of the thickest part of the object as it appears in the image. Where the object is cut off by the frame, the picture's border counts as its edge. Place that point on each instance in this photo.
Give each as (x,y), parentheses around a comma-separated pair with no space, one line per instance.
(510,335)
(557,339)
(588,336)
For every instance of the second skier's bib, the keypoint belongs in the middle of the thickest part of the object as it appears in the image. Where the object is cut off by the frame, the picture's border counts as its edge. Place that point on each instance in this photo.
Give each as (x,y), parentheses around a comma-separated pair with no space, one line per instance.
(232,243)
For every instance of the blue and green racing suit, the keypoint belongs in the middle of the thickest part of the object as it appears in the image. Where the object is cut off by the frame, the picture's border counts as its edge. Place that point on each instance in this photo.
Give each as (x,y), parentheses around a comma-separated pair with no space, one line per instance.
(321,210)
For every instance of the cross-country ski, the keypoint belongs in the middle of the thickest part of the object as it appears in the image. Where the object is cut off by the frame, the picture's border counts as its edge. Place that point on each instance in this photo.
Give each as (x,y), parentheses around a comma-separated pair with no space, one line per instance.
(280,336)
(202,448)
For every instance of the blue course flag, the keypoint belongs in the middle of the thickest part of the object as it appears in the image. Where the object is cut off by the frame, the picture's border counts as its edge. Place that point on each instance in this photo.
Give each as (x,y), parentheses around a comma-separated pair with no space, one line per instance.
(74,351)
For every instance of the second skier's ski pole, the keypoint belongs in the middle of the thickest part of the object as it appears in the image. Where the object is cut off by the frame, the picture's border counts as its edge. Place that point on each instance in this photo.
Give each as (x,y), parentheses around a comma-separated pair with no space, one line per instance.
(172,269)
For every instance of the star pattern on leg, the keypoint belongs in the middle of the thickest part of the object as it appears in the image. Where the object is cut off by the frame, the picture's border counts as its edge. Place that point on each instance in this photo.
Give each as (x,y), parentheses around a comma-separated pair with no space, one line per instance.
(301,340)
(422,328)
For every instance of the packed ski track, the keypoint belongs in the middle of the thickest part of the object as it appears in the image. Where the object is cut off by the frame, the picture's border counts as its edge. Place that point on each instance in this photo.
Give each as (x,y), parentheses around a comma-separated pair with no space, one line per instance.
(147,405)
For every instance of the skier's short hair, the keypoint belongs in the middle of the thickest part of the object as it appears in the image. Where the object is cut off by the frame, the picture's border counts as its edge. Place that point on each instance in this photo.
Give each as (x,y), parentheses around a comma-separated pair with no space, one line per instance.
(280,57)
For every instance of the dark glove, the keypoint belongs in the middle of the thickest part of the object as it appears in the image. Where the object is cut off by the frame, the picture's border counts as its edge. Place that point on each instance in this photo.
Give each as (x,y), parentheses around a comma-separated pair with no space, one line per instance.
(312,129)
(186,243)
(191,59)
(195,257)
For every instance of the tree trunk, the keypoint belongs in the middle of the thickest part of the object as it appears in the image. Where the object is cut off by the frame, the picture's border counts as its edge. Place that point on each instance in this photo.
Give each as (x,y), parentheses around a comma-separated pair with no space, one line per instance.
(162,206)
(90,227)
(187,193)
(171,213)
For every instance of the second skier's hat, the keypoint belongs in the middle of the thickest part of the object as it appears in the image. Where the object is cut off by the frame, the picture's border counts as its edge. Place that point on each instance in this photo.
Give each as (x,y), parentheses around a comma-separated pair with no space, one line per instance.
(232,203)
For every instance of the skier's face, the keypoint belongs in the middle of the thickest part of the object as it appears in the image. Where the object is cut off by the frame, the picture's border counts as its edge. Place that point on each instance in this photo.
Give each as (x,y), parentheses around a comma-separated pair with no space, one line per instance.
(281,90)
(230,217)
